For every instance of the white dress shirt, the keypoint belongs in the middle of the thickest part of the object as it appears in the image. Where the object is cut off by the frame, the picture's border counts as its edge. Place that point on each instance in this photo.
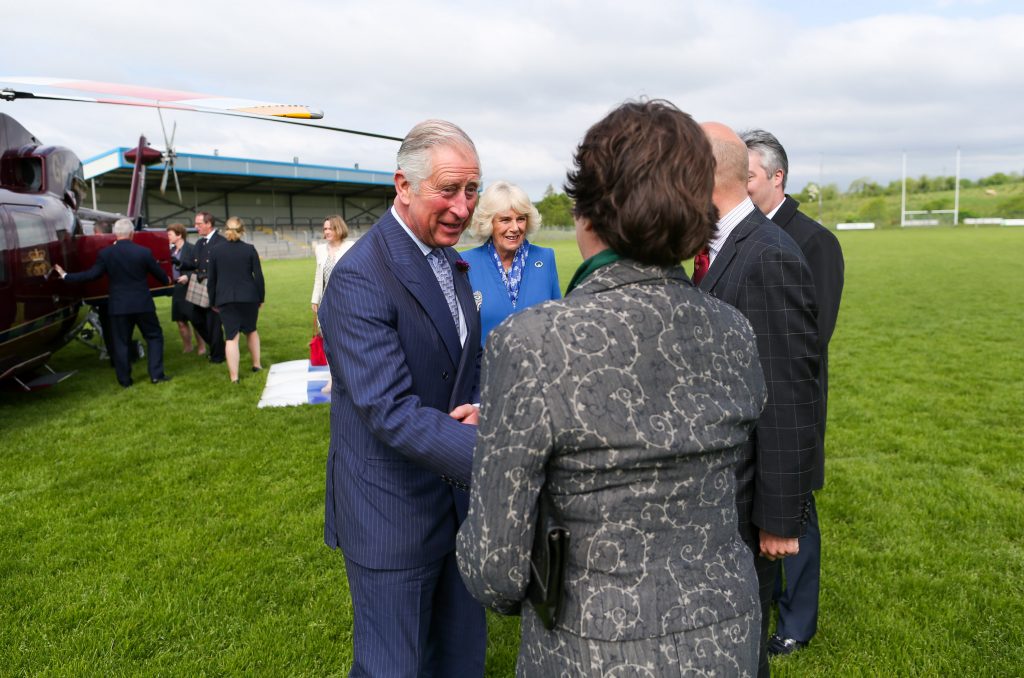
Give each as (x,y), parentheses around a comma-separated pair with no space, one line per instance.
(725,225)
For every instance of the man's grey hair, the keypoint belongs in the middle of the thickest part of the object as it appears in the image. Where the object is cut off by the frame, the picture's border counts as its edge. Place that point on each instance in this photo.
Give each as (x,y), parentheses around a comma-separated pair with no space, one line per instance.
(414,154)
(123,227)
(773,155)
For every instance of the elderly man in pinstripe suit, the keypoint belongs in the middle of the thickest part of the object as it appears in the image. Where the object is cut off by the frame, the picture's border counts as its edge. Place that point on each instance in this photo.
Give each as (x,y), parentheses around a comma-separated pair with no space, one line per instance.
(758,268)
(403,342)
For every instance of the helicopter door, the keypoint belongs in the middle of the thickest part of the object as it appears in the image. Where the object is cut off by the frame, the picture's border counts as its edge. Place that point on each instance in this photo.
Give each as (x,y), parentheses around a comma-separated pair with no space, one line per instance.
(7,252)
(33,238)
(35,248)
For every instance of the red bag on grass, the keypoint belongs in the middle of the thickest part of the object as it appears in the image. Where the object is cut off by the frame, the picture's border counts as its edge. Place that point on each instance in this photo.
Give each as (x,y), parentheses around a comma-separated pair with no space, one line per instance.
(317,357)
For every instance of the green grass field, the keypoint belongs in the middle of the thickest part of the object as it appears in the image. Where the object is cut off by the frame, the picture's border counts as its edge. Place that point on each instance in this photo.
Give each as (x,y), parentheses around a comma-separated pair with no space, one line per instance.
(177,530)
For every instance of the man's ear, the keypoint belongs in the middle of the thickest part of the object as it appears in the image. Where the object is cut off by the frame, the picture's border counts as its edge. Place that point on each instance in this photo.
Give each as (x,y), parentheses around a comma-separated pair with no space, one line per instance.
(403,187)
(779,177)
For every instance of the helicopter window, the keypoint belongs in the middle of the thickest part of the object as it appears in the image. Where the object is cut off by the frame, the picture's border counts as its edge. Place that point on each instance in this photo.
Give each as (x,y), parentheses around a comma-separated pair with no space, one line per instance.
(63,167)
(3,254)
(31,229)
(29,174)
(65,223)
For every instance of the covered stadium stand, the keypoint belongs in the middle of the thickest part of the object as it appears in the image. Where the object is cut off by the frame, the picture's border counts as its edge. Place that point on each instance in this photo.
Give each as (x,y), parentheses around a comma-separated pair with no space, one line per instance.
(283,204)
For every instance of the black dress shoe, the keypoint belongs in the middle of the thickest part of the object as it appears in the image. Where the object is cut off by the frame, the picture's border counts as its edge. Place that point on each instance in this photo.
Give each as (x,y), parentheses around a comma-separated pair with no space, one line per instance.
(216,361)
(125,384)
(778,646)
(159,379)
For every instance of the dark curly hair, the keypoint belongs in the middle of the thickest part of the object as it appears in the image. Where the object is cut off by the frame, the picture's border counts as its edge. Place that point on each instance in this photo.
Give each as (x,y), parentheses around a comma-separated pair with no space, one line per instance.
(643,177)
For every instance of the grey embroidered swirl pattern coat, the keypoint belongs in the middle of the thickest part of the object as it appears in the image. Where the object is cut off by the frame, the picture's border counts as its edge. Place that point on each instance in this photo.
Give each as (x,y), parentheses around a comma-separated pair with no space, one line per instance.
(630,401)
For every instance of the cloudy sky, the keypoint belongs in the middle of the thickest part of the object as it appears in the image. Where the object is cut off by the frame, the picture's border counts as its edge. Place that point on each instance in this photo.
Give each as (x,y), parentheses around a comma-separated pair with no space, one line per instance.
(847,87)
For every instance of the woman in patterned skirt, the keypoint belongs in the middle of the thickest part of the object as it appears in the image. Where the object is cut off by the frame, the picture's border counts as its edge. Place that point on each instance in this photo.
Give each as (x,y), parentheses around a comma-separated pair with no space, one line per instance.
(629,403)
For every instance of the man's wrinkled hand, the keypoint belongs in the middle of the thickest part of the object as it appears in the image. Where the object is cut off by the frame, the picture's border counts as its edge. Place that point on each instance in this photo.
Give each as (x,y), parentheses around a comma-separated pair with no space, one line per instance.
(774,547)
(466,414)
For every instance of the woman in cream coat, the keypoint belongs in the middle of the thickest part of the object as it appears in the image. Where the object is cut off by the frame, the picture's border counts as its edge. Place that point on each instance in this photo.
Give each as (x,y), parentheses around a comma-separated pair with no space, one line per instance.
(334,247)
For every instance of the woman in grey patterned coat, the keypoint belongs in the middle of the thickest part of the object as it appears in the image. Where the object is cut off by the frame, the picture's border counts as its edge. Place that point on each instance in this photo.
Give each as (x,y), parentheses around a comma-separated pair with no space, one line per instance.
(628,401)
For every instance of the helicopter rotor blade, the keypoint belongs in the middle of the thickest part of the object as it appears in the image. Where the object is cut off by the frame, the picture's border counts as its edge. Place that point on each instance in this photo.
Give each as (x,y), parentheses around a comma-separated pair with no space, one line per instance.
(292,115)
(163,128)
(168,155)
(177,186)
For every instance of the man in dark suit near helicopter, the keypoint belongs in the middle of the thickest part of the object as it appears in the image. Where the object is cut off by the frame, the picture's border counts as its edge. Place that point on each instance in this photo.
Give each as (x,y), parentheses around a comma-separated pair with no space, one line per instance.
(207,321)
(128,266)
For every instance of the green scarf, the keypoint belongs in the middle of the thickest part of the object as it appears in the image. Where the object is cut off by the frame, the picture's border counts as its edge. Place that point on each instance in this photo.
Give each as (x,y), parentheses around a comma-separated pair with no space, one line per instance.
(602,258)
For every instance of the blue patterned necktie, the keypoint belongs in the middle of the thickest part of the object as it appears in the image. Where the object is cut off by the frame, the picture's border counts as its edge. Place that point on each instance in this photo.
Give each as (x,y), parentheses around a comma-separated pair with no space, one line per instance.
(443,273)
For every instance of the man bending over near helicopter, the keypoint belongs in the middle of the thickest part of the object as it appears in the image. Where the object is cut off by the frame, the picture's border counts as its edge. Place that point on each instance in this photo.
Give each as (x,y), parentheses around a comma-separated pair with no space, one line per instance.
(131,304)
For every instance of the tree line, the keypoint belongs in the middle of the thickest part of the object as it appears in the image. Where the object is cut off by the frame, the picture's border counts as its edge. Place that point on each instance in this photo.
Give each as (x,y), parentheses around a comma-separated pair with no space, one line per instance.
(556,207)
(867,188)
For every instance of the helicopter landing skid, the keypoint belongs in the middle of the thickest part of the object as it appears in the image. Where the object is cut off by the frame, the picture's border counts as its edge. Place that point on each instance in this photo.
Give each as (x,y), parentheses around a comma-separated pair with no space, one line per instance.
(51,378)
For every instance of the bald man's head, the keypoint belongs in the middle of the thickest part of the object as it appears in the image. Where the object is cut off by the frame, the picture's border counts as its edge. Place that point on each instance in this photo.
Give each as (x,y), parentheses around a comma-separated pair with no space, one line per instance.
(731,165)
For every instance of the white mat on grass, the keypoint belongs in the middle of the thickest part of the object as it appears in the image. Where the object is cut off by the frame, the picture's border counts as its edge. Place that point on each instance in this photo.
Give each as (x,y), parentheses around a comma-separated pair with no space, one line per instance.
(295,382)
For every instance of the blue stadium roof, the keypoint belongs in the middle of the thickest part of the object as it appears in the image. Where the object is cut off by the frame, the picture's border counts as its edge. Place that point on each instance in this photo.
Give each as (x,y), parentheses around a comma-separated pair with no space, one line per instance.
(227,173)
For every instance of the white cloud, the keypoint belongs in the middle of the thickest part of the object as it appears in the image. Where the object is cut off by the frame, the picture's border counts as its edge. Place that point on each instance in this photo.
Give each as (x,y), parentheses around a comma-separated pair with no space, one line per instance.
(527,79)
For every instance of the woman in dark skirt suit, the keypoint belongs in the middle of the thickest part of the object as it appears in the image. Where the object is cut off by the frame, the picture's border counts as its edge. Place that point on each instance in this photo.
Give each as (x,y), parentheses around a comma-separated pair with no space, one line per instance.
(629,403)
(235,282)
(181,310)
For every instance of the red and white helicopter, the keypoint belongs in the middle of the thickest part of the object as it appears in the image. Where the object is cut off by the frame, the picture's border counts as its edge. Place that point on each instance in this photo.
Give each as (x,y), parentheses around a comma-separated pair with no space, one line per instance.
(43,222)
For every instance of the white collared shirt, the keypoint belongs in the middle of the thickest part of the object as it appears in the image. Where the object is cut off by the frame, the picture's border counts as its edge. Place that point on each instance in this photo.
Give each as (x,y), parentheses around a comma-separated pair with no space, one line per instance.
(776,208)
(725,225)
(426,249)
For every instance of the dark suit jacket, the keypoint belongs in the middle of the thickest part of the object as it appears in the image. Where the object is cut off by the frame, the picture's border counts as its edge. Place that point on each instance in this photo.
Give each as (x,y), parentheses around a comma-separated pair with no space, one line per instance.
(128,266)
(201,252)
(397,369)
(825,257)
(234,274)
(185,255)
(762,272)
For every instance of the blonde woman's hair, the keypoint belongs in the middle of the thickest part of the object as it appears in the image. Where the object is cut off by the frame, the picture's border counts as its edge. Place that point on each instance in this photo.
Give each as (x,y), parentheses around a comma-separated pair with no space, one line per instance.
(234,227)
(498,197)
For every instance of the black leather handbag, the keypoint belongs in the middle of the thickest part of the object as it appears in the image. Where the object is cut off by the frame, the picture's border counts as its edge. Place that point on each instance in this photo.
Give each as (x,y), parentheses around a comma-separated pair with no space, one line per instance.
(547,562)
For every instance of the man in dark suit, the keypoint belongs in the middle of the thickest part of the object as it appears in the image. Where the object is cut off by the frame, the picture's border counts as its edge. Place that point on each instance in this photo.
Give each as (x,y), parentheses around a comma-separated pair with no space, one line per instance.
(756,267)
(766,184)
(207,321)
(403,342)
(131,305)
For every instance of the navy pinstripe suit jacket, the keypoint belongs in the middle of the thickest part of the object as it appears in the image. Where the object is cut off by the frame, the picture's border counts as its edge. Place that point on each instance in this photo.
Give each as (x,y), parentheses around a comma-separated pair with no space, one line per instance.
(397,369)
(762,272)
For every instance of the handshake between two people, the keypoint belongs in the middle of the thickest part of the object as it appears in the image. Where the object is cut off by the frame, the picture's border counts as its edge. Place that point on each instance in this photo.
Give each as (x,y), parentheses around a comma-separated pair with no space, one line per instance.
(466,414)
